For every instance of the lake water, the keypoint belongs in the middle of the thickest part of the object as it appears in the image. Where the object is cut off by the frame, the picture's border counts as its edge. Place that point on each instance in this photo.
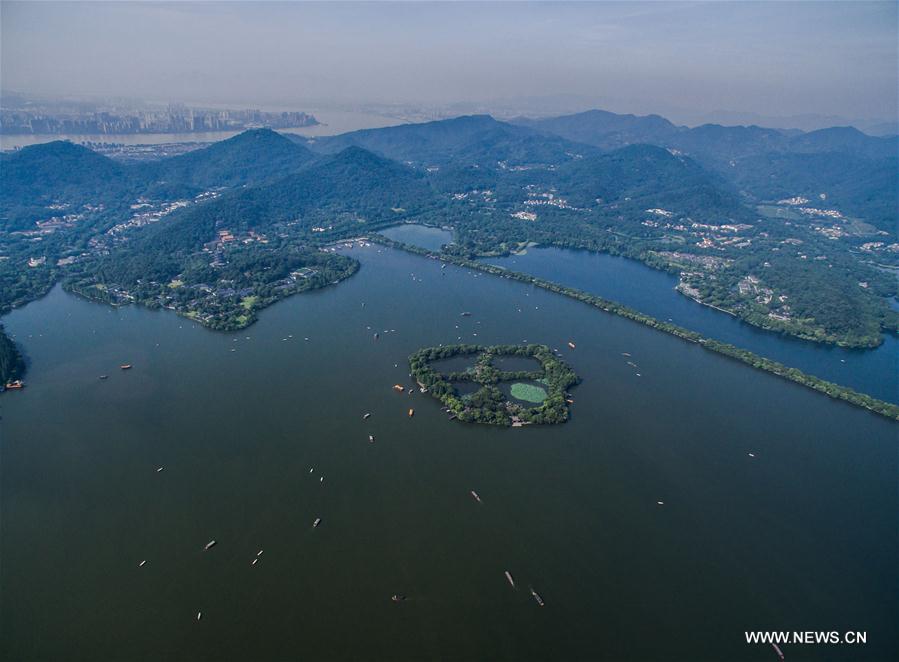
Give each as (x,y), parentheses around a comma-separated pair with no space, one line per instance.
(652,292)
(802,536)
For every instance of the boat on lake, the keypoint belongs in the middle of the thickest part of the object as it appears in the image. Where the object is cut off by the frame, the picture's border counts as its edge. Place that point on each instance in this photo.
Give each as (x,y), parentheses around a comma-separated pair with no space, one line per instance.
(318,520)
(126,366)
(15,384)
(365,416)
(571,344)
(411,413)
(399,388)
(536,596)
(509,577)
(476,496)
(210,545)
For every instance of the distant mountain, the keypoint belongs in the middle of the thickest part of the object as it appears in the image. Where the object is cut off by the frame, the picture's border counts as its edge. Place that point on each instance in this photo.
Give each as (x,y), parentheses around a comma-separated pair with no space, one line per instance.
(251,157)
(844,139)
(353,189)
(767,163)
(58,172)
(606,130)
(638,177)
(467,140)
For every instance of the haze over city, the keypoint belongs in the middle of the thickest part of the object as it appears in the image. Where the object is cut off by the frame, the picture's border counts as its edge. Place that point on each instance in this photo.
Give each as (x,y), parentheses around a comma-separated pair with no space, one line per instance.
(682,60)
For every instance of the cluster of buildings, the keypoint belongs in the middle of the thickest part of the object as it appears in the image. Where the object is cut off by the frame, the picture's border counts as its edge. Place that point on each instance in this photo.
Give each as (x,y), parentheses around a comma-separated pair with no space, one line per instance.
(176,118)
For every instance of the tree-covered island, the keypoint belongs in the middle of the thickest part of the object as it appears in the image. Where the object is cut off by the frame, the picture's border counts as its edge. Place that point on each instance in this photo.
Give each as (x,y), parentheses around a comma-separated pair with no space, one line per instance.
(488,404)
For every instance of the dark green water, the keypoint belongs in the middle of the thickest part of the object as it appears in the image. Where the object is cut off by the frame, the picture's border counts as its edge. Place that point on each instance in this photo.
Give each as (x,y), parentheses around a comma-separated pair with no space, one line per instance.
(801,537)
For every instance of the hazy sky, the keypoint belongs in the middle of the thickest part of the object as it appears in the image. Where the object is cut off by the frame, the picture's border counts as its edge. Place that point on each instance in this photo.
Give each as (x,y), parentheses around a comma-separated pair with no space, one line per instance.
(771,58)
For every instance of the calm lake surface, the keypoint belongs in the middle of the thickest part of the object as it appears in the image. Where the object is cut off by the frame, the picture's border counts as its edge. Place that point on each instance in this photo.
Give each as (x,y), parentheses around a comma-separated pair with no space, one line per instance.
(875,372)
(802,536)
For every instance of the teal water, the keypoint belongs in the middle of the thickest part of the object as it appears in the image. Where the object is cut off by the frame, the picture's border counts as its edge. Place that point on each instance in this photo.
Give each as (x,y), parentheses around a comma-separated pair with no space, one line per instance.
(800,537)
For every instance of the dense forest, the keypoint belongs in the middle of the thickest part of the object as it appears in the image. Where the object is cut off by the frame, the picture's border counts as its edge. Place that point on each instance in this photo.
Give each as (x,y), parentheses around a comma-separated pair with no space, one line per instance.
(12,365)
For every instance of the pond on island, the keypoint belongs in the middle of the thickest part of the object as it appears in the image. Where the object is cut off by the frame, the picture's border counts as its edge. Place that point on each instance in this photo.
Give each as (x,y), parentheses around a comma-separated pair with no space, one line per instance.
(777,501)
(530,392)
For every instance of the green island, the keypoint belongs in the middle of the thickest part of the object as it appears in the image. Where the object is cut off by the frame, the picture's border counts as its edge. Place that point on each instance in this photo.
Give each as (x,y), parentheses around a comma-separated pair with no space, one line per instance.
(887,409)
(488,404)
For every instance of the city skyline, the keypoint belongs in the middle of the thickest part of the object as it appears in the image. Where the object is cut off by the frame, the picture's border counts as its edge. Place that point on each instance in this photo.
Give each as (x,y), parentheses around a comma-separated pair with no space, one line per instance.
(633,57)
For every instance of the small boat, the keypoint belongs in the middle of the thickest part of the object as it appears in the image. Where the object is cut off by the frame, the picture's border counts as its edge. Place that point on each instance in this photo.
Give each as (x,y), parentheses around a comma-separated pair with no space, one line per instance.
(398,597)
(778,651)
(199,615)
(466,314)
(158,469)
(625,353)
(536,596)
(255,561)
(321,480)
(376,336)
(318,520)
(142,564)
(371,438)
(411,413)
(476,496)
(104,376)
(399,388)
(365,417)
(751,454)
(571,344)
(125,366)
(15,384)
(509,577)
(210,545)
(259,553)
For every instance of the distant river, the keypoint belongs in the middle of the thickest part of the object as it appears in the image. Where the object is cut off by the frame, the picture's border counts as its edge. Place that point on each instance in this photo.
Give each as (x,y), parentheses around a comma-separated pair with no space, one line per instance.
(689,499)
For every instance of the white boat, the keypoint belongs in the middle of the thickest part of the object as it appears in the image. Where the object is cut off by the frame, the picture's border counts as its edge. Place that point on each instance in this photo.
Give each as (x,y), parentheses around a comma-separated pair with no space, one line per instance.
(476,496)
(210,545)
(142,564)
(509,577)
(536,596)
(318,520)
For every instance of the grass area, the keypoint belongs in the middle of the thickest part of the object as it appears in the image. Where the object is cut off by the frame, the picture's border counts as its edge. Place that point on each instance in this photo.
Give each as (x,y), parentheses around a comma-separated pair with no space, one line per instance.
(249,302)
(528,392)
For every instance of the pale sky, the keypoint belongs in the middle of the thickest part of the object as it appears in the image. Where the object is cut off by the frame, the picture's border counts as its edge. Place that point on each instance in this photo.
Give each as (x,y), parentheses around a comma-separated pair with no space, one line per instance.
(769,58)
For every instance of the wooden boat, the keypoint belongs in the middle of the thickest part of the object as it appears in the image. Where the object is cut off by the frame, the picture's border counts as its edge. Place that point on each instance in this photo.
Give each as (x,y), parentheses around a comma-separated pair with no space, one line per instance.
(399,388)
